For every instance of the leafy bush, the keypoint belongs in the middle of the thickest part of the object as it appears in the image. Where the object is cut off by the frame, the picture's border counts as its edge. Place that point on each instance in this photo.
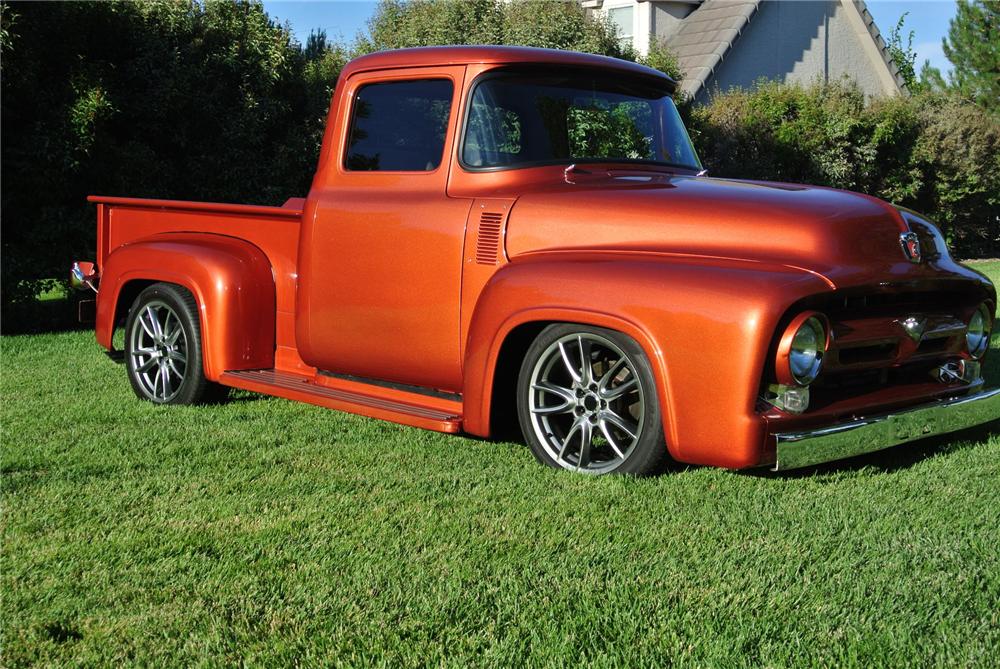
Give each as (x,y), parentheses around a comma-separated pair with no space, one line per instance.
(397,24)
(661,58)
(207,101)
(931,152)
(549,24)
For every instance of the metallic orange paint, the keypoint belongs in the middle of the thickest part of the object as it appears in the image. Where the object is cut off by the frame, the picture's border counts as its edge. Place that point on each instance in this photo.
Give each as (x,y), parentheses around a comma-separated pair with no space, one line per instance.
(230,279)
(684,313)
(269,235)
(418,279)
(381,279)
(385,404)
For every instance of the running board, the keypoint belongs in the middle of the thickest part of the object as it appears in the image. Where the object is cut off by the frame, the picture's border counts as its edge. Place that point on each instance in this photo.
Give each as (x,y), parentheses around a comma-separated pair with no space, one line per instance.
(304,389)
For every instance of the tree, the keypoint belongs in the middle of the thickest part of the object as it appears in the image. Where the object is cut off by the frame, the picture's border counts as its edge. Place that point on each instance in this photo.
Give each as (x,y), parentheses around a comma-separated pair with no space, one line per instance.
(561,25)
(903,55)
(556,25)
(931,79)
(7,19)
(973,47)
(661,58)
(324,61)
(315,45)
(187,100)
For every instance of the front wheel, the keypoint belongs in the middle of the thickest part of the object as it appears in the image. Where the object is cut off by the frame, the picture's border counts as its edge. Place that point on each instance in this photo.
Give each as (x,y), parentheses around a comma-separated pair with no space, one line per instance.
(587,402)
(163,348)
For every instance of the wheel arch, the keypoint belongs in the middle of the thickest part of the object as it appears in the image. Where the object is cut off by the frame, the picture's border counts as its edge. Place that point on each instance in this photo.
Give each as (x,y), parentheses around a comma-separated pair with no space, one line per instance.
(703,323)
(496,402)
(503,389)
(230,279)
(126,296)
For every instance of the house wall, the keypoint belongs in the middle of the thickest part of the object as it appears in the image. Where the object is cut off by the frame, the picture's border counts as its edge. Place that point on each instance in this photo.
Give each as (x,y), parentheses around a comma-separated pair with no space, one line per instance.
(801,42)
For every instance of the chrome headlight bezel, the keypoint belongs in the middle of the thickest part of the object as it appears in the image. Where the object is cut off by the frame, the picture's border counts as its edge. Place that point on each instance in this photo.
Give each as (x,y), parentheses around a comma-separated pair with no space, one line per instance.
(802,349)
(978,332)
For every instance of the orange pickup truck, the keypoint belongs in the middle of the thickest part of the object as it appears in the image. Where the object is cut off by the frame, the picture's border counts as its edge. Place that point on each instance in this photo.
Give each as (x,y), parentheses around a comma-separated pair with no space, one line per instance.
(507,235)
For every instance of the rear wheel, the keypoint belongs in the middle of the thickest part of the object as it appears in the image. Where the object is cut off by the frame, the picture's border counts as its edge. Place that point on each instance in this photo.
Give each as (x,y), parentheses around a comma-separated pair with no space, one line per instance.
(163,348)
(587,402)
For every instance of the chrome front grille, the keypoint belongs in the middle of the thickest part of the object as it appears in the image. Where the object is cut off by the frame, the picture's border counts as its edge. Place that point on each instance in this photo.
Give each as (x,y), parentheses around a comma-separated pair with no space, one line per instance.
(893,341)
(883,341)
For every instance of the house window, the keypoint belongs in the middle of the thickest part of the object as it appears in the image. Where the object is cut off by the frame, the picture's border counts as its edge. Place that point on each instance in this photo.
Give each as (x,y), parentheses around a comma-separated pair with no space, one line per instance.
(621,19)
(399,126)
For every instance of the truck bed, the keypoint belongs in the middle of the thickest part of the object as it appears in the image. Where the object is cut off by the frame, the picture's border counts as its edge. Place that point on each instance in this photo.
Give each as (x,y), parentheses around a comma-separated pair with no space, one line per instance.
(274,230)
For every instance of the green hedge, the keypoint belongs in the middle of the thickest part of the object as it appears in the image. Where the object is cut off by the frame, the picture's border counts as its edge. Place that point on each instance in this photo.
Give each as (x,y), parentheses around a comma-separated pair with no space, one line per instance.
(934,153)
(185,100)
(215,101)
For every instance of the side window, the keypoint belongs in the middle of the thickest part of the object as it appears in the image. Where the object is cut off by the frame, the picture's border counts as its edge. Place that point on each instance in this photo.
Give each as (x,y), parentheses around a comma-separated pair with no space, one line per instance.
(399,126)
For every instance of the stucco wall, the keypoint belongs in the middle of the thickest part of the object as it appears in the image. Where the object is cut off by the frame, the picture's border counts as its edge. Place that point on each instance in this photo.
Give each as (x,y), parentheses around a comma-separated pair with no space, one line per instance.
(798,42)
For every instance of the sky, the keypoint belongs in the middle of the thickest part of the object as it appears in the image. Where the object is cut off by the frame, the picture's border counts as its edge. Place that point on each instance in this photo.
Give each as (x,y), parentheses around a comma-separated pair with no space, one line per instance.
(342,19)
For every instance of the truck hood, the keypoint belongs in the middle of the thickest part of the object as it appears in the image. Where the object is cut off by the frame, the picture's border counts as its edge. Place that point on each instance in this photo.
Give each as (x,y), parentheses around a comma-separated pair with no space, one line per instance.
(848,238)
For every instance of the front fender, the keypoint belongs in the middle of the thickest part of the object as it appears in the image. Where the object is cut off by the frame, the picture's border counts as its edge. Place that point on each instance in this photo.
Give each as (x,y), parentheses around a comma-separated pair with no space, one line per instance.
(704,323)
(230,278)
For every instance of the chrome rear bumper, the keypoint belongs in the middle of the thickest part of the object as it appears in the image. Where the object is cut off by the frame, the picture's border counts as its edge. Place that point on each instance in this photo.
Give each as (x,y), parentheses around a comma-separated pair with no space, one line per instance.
(865,435)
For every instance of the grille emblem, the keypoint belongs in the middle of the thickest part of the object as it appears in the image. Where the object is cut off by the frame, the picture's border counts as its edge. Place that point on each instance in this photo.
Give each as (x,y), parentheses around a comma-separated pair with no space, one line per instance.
(911,246)
(914,327)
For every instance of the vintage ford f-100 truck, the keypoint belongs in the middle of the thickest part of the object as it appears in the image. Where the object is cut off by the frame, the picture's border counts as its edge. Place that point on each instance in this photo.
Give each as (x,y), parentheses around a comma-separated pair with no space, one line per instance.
(497,232)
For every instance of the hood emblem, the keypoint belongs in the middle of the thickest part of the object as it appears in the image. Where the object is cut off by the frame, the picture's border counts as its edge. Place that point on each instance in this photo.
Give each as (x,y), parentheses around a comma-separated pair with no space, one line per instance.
(914,327)
(911,246)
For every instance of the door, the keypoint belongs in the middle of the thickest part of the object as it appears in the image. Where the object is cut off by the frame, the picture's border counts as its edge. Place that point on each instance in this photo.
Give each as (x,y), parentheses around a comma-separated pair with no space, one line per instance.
(381,256)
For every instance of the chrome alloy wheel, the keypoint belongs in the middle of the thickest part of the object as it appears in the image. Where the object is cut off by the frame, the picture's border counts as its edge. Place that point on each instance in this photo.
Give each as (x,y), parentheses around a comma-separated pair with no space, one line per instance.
(158,352)
(586,403)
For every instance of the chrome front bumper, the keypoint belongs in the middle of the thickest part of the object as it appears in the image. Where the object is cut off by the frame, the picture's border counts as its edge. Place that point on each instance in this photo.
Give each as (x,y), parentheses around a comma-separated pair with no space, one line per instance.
(865,435)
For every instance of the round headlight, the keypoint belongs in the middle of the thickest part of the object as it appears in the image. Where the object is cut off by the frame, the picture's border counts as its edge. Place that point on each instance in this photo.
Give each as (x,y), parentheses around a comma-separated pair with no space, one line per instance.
(802,349)
(977,335)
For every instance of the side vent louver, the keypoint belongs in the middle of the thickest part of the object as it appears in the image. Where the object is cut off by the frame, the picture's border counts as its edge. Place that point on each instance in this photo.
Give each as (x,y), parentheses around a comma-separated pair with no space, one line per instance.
(488,240)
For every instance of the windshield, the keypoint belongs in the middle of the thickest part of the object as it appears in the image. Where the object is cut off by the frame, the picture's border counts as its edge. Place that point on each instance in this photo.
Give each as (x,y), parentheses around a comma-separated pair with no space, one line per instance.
(521,120)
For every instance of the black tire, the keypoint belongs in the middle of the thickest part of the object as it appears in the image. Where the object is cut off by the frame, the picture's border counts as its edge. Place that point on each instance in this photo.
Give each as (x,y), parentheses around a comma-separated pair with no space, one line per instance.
(173,372)
(625,432)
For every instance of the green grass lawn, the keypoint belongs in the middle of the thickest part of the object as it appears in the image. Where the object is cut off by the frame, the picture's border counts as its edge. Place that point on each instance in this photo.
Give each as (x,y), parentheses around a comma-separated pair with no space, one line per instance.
(266,532)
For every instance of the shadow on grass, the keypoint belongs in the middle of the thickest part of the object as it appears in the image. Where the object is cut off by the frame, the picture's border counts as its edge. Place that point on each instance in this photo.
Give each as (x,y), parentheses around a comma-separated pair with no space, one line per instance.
(40,316)
(896,458)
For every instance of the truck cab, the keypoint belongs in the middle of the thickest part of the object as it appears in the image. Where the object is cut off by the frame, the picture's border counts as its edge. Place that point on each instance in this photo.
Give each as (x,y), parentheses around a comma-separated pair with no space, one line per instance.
(498,236)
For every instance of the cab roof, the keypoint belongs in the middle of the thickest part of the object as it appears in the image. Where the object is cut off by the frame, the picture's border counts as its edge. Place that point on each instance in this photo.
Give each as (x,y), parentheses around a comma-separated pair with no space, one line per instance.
(494,55)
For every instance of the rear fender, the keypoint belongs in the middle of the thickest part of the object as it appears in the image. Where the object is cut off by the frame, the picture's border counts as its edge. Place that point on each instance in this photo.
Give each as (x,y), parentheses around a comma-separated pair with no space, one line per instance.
(230,278)
(704,323)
